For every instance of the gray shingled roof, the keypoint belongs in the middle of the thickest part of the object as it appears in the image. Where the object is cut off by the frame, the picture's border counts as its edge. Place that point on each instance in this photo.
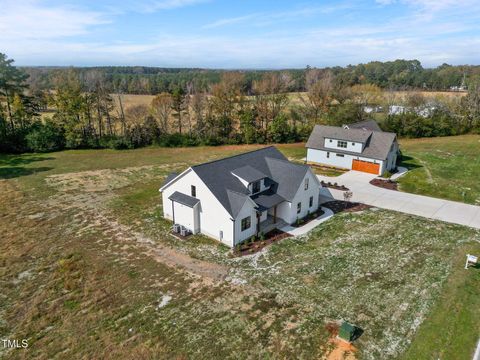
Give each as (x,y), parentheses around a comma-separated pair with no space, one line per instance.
(377,146)
(267,199)
(169,178)
(366,125)
(249,173)
(183,199)
(339,133)
(232,194)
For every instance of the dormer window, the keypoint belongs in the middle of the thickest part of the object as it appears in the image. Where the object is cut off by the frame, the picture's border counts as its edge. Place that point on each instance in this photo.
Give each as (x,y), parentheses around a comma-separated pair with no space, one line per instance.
(342,144)
(255,187)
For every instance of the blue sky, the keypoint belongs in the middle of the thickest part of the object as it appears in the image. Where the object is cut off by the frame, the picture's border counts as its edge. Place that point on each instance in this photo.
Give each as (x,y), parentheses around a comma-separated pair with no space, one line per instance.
(239,33)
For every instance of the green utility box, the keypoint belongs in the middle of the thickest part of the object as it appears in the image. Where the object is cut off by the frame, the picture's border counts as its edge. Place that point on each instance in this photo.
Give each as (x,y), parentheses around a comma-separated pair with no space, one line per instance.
(346,332)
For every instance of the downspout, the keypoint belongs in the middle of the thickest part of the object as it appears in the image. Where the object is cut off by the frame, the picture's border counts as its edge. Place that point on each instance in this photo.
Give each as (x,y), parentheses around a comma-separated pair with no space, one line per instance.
(173,213)
(233,221)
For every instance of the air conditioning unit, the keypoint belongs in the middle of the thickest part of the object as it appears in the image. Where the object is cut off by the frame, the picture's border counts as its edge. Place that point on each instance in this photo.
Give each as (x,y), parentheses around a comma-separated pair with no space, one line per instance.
(176,228)
(183,231)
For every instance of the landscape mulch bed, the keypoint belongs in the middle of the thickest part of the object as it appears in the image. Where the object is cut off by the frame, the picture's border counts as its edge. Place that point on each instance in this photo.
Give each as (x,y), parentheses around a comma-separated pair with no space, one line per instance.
(311,217)
(386,184)
(338,206)
(334,186)
(249,248)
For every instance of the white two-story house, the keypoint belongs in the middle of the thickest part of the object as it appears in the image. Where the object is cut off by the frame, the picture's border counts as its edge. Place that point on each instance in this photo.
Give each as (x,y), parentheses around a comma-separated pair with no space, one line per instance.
(235,198)
(362,146)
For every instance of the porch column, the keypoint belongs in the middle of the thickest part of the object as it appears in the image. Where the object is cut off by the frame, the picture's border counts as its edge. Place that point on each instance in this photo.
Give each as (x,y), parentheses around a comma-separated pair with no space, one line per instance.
(258,222)
(275,214)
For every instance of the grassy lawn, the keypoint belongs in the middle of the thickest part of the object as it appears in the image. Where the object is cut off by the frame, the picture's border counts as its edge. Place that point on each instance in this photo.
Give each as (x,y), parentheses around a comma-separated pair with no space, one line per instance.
(447,167)
(88,270)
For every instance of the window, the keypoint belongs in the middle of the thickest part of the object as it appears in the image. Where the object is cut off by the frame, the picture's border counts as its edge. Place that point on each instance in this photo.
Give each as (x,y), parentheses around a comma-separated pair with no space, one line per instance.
(331,140)
(255,187)
(299,207)
(246,222)
(342,144)
(193,191)
(340,155)
(310,202)
(328,154)
(353,144)
(306,184)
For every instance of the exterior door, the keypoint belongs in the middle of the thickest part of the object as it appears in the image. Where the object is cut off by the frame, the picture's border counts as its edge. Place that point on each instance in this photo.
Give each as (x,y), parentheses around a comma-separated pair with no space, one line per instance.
(366,166)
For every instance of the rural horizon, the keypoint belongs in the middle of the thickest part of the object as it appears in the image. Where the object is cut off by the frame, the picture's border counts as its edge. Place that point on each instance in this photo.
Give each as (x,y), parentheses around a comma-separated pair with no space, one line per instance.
(261,188)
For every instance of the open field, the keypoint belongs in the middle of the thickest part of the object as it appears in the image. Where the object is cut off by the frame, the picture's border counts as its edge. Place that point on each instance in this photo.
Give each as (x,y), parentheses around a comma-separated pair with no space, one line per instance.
(130,100)
(89,271)
(447,168)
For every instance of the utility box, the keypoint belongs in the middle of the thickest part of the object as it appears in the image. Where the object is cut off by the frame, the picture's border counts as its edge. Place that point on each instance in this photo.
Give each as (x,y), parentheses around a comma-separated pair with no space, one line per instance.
(346,331)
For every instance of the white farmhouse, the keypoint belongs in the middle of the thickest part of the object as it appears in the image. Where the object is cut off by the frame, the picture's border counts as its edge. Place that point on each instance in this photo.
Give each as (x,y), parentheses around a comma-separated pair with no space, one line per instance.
(235,198)
(361,146)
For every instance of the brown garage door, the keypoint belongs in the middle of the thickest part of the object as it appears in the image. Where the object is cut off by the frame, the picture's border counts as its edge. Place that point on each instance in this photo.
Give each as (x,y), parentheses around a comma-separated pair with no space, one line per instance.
(366,166)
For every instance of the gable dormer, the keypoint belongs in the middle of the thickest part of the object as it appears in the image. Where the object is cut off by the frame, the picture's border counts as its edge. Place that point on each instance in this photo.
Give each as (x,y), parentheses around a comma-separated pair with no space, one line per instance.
(251,178)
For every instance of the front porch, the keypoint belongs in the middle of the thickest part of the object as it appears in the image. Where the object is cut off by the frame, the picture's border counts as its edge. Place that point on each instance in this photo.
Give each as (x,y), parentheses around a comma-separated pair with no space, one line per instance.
(270,224)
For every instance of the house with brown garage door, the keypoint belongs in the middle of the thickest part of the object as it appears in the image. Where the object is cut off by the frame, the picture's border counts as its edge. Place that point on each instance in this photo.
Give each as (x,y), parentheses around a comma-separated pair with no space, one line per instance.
(362,146)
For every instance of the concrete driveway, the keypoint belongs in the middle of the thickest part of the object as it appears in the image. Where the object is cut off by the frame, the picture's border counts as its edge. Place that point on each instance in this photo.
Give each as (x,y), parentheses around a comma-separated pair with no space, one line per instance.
(432,208)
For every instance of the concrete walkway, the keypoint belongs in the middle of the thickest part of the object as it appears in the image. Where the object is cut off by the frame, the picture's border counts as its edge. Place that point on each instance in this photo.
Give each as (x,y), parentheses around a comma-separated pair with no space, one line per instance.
(401,171)
(302,230)
(476,356)
(432,208)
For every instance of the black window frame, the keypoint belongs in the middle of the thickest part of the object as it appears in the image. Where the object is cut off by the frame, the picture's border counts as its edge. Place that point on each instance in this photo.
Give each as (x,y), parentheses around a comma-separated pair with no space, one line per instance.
(254,185)
(340,155)
(307,180)
(310,201)
(299,207)
(328,154)
(246,223)
(342,142)
(193,191)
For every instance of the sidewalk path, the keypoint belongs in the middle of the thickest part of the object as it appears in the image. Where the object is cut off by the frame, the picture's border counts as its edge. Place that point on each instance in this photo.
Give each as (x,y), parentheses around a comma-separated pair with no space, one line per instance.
(308,227)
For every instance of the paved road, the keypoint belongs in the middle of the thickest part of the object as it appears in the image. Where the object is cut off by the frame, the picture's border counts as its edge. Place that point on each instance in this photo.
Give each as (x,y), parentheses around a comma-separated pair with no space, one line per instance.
(432,208)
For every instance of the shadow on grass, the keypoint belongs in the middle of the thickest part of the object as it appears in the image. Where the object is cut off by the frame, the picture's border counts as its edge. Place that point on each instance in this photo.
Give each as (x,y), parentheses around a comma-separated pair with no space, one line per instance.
(14,172)
(16,160)
(409,162)
(357,332)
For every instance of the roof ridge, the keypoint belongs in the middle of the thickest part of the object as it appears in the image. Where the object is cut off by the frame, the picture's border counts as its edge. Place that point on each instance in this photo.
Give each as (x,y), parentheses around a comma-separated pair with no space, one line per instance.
(287,161)
(230,157)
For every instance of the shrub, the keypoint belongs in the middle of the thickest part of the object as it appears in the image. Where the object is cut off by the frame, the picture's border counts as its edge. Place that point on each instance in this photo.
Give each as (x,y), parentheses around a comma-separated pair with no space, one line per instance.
(45,137)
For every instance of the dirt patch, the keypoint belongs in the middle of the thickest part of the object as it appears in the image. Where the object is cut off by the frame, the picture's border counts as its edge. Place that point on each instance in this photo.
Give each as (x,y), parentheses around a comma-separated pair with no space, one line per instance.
(385,184)
(87,193)
(338,206)
(342,350)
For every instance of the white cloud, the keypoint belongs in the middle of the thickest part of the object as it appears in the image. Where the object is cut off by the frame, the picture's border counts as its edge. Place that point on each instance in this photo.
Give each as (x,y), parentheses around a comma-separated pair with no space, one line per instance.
(268,18)
(31,20)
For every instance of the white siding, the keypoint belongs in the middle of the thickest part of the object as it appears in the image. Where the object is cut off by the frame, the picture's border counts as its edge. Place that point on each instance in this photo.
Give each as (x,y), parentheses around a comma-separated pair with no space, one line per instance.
(320,157)
(213,218)
(247,210)
(303,196)
(186,216)
(392,157)
(352,146)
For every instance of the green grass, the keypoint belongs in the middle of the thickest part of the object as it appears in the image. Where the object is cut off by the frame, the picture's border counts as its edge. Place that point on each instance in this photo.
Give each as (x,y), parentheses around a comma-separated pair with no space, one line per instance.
(452,329)
(447,168)
(78,283)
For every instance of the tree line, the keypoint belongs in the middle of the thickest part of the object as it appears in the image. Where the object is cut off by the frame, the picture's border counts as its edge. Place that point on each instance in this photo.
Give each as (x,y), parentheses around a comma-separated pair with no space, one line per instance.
(394,75)
(87,111)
